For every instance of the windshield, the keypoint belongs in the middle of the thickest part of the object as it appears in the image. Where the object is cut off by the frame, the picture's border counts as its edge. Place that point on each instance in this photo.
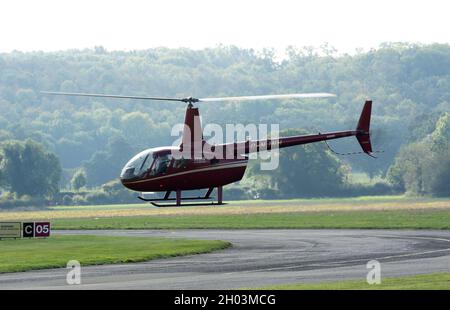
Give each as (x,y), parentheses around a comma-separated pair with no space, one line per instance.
(138,165)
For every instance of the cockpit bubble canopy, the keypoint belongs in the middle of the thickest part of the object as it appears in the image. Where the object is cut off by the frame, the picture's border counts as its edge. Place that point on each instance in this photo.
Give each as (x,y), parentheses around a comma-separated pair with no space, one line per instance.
(139,165)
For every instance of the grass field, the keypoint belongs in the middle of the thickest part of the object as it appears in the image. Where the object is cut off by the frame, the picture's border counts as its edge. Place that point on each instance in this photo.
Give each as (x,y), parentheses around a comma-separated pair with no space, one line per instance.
(437,281)
(398,219)
(233,208)
(56,251)
(362,212)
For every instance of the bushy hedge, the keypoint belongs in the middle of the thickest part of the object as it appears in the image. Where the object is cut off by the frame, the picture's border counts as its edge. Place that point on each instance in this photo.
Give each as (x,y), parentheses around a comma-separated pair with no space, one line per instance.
(10,200)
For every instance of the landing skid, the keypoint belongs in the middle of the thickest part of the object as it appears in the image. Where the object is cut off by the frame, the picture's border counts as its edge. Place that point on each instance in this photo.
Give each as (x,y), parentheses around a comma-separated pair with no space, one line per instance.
(157,202)
(171,199)
(212,203)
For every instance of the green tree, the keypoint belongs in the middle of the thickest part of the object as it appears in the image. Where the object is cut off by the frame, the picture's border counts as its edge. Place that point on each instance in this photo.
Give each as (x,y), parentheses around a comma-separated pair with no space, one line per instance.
(308,171)
(1,173)
(28,169)
(78,180)
(423,167)
(440,179)
(441,135)
(26,96)
(105,165)
(411,168)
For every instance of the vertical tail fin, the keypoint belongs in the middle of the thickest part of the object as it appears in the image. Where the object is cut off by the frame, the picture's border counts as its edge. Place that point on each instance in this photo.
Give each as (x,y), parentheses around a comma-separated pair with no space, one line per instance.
(192,138)
(363,128)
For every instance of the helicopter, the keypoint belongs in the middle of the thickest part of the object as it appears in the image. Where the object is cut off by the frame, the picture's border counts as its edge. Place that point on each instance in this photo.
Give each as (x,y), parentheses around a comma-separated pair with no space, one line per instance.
(195,164)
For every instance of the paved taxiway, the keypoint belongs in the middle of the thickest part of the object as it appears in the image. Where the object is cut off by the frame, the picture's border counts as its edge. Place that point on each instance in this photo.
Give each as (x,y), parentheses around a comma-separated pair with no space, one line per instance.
(259,258)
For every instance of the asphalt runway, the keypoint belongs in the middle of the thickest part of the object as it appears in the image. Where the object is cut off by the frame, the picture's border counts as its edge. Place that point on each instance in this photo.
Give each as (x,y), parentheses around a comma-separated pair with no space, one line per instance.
(259,258)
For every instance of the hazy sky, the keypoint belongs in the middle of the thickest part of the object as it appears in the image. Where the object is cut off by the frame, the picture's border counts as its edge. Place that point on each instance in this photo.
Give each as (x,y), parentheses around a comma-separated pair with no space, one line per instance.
(132,24)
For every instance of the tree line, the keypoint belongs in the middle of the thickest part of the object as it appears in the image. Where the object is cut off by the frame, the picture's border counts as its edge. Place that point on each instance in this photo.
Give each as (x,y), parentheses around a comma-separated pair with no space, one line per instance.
(92,138)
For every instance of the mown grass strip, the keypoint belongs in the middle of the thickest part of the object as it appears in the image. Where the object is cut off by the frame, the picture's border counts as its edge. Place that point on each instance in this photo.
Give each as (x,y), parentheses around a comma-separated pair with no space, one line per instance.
(56,251)
(384,219)
(436,281)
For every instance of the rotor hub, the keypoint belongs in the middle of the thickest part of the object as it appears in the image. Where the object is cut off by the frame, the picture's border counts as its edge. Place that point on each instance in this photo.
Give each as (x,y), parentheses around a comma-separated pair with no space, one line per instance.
(190,100)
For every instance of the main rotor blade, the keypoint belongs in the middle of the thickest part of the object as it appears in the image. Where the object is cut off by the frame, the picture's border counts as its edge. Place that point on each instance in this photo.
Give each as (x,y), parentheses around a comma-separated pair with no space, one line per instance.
(268,97)
(193,100)
(109,96)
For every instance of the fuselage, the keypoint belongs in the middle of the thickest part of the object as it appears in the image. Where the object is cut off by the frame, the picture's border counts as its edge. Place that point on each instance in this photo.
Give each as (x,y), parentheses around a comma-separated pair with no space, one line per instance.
(158,170)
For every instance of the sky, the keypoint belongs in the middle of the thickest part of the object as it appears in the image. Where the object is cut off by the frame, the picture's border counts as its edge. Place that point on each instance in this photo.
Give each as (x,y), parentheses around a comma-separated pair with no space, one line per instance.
(347,25)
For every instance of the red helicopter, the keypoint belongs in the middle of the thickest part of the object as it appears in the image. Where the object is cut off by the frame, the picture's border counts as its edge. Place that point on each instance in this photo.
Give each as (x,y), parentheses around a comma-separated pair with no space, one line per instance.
(199,165)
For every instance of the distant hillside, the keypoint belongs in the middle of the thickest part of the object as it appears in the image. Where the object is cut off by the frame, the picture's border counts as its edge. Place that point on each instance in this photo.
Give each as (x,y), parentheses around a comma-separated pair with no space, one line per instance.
(410,86)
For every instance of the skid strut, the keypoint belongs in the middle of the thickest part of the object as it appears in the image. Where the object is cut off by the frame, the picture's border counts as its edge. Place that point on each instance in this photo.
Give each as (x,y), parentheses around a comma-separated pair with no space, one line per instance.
(160,202)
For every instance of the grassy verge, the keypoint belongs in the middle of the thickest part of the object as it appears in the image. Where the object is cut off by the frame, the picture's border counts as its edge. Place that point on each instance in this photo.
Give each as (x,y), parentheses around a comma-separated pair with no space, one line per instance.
(233,208)
(394,219)
(56,251)
(394,212)
(436,281)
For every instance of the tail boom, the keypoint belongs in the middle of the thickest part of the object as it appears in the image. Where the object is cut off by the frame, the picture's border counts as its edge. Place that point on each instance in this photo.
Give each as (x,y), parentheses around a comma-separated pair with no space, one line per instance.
(362,134)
